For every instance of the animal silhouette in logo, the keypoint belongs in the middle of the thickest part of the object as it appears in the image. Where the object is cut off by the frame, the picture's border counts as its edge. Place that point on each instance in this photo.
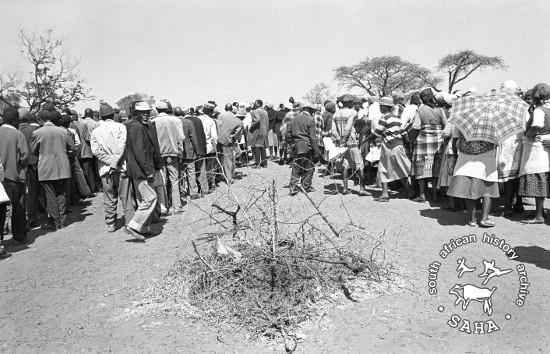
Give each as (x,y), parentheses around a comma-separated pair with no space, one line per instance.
(471,292)
(492,271)
(463,268)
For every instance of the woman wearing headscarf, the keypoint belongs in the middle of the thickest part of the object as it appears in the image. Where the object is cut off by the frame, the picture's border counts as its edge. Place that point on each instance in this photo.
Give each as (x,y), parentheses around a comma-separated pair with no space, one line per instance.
(428,128)
(509,158)
(535,163)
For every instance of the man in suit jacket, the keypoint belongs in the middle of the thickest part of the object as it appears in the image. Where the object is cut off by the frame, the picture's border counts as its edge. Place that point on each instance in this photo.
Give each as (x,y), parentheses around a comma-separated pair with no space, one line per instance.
(190,148)
(257,135)
(53,145)
(14,155)
(200,152)
(33,198)
(141,167)
(229,134)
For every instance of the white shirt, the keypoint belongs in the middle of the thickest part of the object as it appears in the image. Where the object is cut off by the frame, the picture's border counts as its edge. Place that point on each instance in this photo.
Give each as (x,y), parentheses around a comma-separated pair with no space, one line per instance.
(108,142)
(374,115)
(211,132)
(407,116)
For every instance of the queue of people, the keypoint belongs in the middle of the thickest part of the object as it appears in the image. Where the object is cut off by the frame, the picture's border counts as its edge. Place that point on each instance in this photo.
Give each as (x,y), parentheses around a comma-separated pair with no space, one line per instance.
(157,157)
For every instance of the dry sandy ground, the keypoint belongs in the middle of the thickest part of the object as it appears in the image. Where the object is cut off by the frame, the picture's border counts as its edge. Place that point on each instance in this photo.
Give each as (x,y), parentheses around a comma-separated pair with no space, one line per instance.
(65,291)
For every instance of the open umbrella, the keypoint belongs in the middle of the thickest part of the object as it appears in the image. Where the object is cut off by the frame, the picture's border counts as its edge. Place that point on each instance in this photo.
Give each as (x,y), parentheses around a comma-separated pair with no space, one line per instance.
(489,118)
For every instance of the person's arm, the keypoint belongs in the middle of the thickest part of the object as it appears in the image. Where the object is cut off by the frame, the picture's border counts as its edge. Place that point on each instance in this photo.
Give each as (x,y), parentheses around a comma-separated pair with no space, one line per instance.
(349,127)
(256,118)
(236,133)
(35,144)
(538,123)
(22,149)
(69,144)
(380,127)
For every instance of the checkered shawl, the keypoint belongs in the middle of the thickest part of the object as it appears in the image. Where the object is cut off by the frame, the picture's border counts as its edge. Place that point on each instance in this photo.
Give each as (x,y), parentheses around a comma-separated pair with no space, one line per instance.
(319,128)
(489,118)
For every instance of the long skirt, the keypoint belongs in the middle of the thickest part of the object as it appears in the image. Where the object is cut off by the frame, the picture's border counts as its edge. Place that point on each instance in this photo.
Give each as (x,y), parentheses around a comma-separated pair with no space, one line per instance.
(534,185)
(472,188)
(394,164)
(427,150)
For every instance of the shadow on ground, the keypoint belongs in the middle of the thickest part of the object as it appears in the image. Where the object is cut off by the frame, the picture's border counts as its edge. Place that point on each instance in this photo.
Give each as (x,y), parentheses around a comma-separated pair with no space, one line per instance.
(533,254)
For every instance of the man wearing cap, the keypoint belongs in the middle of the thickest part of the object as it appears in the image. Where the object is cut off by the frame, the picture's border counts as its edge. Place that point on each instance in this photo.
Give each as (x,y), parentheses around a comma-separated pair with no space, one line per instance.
(108,143)
(343,132)
(14,156)
(200,153)
(188,183)
(300,135)
(211,134)
(86,157)
(170,136)
(53,145)
(257,135)
(141,166)
(229,135)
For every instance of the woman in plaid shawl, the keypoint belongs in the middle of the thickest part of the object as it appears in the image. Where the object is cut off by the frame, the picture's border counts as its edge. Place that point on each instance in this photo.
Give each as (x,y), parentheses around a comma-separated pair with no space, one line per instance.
(428,124)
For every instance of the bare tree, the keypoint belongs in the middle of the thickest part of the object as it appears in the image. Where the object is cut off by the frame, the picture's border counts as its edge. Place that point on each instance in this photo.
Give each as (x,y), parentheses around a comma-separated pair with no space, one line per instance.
(318,94)
(459,66)
(384,75)
(8,94)
(54,76)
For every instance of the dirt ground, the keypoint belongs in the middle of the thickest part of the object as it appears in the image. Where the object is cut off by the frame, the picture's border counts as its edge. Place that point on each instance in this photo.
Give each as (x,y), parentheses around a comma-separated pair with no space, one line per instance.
(68,291)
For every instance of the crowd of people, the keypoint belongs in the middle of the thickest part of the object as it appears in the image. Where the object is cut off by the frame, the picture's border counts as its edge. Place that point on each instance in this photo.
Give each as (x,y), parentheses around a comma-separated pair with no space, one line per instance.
(152,159)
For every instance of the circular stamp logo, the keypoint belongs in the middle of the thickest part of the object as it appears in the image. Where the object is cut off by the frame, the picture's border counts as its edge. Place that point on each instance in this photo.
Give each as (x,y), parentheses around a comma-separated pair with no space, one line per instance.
(478,283)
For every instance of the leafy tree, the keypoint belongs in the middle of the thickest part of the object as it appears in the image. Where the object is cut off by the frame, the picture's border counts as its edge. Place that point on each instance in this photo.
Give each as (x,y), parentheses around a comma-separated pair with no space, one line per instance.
(318,94)
(124,102)
(54,76)
(384,75)
(460,65)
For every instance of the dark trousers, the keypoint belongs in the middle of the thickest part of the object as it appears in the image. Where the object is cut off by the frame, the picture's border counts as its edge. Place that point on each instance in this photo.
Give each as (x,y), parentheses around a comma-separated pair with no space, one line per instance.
(56,200)
(16,193)
(88,167)
(260,157)
(188,180)
(302,168)
(32,198)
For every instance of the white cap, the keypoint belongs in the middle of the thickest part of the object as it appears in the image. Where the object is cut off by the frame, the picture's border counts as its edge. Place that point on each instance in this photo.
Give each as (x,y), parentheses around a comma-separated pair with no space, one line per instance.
(162,104)
(142,106)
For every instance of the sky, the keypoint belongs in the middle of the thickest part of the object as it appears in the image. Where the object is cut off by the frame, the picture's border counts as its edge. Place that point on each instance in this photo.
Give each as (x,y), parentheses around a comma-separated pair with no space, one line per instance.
(192,51)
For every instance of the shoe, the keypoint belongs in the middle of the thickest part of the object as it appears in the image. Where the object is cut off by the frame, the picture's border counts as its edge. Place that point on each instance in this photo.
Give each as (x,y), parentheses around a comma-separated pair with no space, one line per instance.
(532,222)
(364,193)
(487,223)
(419,200)
(472,224)
(111,228)
(135,234)
(177,210)
(2,251)
(48,227)
(382,199)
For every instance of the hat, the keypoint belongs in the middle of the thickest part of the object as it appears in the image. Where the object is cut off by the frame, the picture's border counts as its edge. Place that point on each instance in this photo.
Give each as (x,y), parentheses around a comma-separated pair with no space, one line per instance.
(162,104)
(308,106)
(449,98)
(269,105)
(185,109)
(105,109)
(288,105)
(386,101)
(142,106)
(347,98)
(213,103)
(208,106)
(330,105)
(541,91)
(298,105)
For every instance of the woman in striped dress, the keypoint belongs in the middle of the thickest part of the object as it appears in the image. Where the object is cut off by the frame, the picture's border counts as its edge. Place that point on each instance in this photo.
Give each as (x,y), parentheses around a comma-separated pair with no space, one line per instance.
(394,164)
(428,127)
(535,164)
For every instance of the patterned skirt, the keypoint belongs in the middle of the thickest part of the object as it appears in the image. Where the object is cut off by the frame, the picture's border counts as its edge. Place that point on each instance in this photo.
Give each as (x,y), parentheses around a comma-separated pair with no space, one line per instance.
(427,152)
(534,185)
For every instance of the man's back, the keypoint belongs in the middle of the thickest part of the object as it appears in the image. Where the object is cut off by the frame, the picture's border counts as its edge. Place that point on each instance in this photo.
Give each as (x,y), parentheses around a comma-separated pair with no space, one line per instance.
(230,123)
(139,150)
(13,149)
(27,129)
(199,133)
(170,134)
(52,144)
(301,132)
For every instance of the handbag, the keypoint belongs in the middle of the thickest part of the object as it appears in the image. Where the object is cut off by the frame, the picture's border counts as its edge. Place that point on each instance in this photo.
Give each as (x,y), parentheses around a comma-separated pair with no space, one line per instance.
(3,195)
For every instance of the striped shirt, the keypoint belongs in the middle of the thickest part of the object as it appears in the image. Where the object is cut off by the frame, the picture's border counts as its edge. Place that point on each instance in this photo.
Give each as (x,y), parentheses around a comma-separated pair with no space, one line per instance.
(342,123)
(390,130)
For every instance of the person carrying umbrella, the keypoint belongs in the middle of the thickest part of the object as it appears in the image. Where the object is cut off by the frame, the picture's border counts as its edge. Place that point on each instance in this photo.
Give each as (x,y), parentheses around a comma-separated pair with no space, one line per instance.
(483,122)
(535,162)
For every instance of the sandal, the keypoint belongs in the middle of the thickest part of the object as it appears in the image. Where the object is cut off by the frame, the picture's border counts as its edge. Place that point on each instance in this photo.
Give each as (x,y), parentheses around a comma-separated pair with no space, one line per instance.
(472,224)
(382,199)
(487,223)
(532,221)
